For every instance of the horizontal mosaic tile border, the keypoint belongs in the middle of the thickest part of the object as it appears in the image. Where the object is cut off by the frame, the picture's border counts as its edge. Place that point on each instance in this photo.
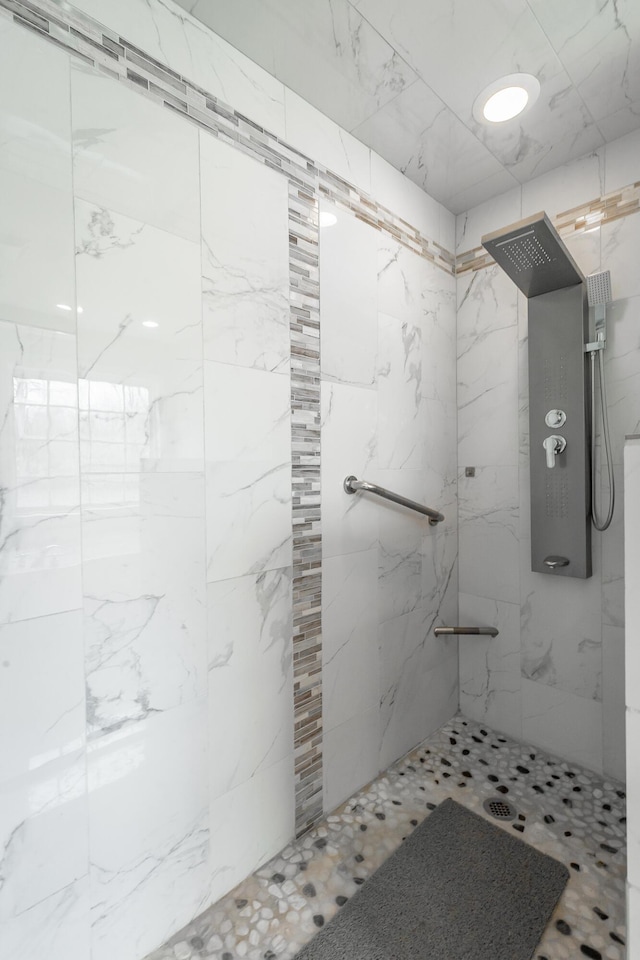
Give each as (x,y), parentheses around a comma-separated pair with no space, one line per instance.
(578,220)
(84,37)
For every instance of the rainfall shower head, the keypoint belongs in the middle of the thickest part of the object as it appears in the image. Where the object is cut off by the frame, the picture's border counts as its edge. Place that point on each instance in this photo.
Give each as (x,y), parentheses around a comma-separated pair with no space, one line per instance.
(599,288)
(533,255)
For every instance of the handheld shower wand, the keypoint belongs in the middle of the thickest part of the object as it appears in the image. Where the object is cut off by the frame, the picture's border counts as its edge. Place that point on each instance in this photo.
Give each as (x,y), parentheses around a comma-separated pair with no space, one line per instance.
(599,294)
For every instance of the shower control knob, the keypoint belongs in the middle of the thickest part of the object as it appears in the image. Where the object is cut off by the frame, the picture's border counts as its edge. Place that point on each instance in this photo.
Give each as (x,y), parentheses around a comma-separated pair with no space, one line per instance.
(554,445)
(555,418)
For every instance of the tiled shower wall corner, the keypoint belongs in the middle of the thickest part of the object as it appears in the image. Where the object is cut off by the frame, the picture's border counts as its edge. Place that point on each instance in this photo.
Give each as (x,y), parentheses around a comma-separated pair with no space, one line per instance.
(164,403)
(555,676)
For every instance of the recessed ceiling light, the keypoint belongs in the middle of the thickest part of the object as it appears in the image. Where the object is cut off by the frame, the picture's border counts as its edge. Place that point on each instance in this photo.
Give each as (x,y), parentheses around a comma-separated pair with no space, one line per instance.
(327,219)
(149,323)
(506,98)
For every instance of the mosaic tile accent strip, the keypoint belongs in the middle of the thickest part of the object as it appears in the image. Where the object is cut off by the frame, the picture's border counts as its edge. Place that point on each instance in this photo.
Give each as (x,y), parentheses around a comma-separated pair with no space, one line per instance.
(588,216)
(304,305)
(561,809)
(112,55)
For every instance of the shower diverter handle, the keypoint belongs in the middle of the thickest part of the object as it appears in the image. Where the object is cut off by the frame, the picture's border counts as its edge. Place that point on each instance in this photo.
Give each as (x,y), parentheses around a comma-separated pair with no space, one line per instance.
(553,445)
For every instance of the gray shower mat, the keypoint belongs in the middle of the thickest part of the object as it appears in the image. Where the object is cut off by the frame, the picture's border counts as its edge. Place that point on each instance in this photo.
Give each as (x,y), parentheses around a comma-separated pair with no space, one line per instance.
(459,888)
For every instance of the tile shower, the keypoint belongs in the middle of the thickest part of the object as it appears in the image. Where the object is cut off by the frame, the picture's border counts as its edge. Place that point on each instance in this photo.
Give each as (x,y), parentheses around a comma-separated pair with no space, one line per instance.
(173,438)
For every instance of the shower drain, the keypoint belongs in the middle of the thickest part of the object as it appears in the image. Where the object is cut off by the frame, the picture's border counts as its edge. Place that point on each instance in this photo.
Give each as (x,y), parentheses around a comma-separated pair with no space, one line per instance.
(499,809)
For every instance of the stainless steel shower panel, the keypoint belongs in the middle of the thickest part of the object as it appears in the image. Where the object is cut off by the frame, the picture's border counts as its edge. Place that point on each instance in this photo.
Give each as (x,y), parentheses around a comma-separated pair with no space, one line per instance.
(532,254)
(559,383)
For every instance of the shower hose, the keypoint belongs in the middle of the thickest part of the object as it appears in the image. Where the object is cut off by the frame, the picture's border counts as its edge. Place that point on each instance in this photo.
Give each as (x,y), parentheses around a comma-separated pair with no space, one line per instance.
(598,523)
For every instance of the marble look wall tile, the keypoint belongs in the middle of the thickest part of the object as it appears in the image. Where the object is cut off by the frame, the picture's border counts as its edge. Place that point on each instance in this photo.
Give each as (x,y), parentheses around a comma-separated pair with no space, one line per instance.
(50,722)
(348,301)
(488,533)
(401,405)
(35,122)
(619,241)
(438,335)
(418,682)
(176,39)
(486,217)
(315,135)
(622,164)
(567,186)
(396,192)
(400,282)
(248,448)
(126,149)
(36,240)
(490,684)
(559,651)
(250,824)
(401,534)
(350,671)
(632,568)
(245,259)
(144,574)
(488,398)
(613,552)
(559,721)
(349,448)
(40,523)
(149,870)
(621,367)
(613,709)
(440,568)
(350,757)
(139,346)
(250,677)
(43,833)
(633,790)
(56,927)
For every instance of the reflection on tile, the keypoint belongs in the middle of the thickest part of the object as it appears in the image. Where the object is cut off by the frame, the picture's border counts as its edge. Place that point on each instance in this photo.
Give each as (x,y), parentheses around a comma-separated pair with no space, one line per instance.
(144,576)
(250,662)
(50,722)
(244,259)
(43,833)
(139,346)
(149,870)
(126,150)
(40,523)
(621,366)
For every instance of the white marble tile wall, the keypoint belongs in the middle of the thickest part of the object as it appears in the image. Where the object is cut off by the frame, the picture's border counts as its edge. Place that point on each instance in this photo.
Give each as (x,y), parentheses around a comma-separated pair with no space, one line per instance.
(632,698)
(145,537)
(388,415)
(567,637)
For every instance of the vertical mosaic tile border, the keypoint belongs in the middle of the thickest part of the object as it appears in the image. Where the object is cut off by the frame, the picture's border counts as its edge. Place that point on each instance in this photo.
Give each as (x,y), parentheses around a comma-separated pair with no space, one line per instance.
(304,307)
(578,220)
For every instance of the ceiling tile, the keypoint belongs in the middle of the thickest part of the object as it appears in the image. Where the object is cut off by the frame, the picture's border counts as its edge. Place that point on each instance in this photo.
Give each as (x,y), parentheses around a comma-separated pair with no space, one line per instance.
(329,56)
(420,136)
(598,42)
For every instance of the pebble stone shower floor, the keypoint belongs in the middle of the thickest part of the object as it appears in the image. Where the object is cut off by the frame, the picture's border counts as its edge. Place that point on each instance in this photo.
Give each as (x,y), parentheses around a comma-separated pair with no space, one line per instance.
(562,809)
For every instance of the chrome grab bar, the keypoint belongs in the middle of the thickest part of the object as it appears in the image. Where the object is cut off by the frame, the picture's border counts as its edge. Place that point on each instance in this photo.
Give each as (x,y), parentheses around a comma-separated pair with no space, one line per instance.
(352,485)
(472,631)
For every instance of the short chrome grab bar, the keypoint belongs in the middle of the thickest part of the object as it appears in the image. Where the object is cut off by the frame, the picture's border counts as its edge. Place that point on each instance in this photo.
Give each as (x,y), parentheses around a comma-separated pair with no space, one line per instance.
(472,631)
(352,485)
